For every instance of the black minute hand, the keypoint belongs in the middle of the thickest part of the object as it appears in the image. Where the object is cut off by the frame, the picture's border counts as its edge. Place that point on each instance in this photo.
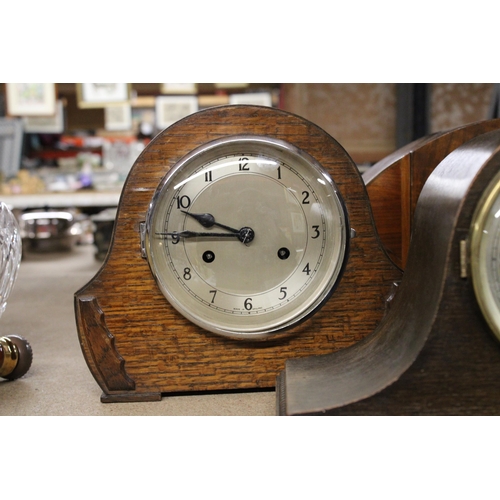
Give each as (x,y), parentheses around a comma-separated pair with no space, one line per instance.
(245,235)
(208,220)
(194,234)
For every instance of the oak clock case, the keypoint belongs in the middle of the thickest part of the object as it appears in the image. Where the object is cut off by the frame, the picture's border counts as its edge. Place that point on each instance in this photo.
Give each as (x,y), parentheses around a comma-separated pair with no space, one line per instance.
(232,251)
(437,351)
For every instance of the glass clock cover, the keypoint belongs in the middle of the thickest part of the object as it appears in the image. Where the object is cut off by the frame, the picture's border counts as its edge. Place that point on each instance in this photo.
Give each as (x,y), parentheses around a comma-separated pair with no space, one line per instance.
(247,236)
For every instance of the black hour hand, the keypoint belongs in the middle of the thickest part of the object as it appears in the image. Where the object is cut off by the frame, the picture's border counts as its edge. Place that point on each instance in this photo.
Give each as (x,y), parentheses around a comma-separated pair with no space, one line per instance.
(208,220)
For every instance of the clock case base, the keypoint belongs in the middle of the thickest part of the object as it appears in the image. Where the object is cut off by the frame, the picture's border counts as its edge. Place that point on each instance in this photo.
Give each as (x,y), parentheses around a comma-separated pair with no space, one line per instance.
(137,346)
(433,353)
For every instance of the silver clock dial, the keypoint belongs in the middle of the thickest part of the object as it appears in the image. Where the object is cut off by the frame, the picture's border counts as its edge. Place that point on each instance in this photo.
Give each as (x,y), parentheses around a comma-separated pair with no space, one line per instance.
(485,254)
(247,236)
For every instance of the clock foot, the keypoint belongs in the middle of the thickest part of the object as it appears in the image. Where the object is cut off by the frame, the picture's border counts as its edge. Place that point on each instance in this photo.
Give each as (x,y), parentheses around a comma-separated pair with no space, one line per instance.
(138,397)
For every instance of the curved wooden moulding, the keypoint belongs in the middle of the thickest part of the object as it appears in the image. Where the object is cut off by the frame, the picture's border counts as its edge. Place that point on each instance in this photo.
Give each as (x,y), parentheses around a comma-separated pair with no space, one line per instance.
(137,346)
(395,182)
(433,353)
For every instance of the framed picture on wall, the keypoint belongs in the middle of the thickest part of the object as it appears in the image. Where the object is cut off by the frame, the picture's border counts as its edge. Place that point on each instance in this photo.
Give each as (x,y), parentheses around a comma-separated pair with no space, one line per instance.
(11,146)
(254,98)
(118,117)
(46,124)
(101,95)
(178,88)
(170,109)
(30,99)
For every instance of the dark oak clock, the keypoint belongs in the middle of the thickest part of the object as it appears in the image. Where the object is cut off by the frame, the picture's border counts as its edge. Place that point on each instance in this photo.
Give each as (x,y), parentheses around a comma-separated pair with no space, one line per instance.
(395,182)
(437,351)
(243,238)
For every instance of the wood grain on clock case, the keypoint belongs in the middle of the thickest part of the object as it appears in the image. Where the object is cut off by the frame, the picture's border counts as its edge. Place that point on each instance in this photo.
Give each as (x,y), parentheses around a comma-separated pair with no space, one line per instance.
(162,351)
(433,353)
(395,182)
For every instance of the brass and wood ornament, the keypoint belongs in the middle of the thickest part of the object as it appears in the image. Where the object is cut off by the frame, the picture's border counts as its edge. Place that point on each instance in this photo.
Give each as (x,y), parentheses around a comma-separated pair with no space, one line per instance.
(437,351)
(16,357)
(232,251)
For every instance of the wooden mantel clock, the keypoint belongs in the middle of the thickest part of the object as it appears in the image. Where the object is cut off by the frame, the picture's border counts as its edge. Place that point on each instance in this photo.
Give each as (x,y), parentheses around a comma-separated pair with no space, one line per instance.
(243,238)
(437,350)
(395,182)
